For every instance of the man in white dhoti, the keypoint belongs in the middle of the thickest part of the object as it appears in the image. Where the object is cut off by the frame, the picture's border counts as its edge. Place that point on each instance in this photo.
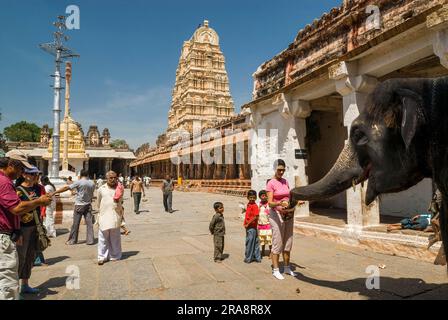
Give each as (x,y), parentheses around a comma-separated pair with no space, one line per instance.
(109,220)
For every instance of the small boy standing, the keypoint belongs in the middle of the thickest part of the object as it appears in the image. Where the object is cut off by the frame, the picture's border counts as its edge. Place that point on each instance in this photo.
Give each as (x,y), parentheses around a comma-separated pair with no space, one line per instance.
(218,230)
(251,223)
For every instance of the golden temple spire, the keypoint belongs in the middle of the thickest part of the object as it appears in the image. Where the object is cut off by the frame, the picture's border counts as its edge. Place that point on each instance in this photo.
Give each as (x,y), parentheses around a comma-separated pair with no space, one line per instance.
(68,79)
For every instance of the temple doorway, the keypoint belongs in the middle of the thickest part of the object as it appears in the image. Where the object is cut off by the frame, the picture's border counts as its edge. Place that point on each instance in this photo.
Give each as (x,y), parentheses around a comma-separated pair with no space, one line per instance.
(325,140)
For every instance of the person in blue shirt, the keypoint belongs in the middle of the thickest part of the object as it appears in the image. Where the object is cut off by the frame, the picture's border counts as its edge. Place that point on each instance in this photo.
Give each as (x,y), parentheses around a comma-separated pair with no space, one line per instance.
(421,222)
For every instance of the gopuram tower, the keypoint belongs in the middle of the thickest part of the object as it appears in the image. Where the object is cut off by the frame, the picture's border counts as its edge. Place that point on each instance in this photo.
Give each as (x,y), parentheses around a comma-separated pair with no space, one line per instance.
(201,95)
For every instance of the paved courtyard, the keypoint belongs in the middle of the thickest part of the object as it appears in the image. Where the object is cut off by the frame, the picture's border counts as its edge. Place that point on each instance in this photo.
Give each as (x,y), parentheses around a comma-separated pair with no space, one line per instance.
(169,256)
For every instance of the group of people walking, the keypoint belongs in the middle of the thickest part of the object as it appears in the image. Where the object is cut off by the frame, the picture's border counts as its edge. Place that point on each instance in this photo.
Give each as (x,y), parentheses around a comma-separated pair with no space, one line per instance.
(268,223)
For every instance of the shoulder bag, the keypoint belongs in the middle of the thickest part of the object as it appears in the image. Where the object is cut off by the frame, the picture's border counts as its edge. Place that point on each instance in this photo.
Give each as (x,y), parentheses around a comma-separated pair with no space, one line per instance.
(43,241)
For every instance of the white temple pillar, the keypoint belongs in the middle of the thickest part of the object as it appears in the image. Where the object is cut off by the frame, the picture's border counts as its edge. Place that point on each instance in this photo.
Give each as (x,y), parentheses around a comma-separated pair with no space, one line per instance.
(354,90)
(301,110)
(253,154)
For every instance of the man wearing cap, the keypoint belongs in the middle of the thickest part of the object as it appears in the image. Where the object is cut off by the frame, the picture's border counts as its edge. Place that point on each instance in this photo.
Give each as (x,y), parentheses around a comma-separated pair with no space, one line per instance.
(11,207)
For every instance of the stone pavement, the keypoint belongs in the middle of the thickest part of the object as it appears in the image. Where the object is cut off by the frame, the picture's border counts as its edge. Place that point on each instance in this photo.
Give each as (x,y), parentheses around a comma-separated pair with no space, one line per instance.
(169,256)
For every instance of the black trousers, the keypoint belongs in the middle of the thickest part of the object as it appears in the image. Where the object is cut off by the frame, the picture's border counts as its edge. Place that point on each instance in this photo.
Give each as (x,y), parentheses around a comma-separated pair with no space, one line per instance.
(27,251)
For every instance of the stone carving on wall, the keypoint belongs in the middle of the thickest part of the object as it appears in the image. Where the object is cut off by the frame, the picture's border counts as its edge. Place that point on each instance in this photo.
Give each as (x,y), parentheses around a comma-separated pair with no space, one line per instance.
(93,136)
(45,136)
(106,137)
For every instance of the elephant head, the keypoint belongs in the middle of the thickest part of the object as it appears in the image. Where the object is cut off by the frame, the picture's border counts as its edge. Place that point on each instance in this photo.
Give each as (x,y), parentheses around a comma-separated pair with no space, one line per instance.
(387,145)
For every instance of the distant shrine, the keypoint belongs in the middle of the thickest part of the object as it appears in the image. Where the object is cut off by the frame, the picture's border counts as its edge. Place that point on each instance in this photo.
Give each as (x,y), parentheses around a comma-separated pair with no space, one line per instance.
(77,151)
(91,151)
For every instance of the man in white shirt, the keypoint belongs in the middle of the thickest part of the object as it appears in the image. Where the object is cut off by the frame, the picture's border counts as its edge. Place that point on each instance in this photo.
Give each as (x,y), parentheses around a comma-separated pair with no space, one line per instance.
(110,213)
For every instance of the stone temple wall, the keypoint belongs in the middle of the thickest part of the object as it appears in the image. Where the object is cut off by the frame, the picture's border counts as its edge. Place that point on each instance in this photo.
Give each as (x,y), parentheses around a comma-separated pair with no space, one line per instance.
(344,32)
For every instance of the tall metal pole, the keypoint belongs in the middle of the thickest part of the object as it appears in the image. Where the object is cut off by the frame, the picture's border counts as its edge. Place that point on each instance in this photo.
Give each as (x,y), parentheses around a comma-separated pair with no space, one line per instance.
(57,49)
(56,117)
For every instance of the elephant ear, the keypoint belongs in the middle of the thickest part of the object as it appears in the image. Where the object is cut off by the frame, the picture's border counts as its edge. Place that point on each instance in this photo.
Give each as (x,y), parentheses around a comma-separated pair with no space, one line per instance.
(411,103)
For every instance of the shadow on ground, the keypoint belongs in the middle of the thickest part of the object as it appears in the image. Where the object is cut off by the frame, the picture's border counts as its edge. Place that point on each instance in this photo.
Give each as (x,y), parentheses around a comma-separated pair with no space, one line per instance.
(52,261)
(45,288)
(390,288)
(61,232)
(127,255)
(295,266)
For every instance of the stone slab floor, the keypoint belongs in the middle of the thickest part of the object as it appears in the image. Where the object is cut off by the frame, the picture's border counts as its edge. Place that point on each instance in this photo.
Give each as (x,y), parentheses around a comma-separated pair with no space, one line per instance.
(169,256)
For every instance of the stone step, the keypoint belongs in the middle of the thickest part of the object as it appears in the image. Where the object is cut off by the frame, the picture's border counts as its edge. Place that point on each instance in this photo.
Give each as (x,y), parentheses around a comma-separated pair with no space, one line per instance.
(402,245)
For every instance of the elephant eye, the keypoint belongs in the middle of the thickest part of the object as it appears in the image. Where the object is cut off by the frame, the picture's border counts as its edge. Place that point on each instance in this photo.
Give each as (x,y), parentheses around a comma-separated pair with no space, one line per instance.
(358,137)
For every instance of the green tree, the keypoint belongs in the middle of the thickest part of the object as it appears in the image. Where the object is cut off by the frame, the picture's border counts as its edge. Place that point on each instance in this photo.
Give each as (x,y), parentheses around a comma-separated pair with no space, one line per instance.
(3,147)
(23,131)
(119,144)
(2,144)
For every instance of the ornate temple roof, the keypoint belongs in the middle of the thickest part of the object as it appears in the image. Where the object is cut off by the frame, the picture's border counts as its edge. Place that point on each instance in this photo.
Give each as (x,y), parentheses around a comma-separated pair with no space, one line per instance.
(338,35)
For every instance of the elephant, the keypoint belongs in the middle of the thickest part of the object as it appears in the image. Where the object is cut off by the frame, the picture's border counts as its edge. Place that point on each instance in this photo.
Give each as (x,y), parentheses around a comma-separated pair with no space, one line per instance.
(398,139)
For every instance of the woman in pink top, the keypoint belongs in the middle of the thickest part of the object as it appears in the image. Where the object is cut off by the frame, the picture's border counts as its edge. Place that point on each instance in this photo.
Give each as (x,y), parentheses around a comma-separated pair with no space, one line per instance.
(281,220)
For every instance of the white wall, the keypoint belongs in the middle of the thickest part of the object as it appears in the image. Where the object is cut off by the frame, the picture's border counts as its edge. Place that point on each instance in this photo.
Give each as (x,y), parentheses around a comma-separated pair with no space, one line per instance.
(407,203)
(269,149)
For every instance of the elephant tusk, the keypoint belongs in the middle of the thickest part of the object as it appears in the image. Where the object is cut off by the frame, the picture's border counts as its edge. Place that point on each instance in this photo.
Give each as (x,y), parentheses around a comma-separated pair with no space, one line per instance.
(354,183)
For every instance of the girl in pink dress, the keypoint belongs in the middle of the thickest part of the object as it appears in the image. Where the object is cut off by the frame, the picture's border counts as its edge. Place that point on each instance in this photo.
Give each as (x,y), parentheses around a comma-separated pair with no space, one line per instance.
(264,227)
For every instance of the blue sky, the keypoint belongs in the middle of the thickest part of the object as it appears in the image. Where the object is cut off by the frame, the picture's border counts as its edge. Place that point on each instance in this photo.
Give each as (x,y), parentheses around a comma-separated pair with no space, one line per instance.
(129,55)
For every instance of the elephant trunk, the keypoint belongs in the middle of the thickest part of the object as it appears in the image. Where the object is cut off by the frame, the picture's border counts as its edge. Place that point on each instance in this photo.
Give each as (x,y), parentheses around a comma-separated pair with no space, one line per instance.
(345,173)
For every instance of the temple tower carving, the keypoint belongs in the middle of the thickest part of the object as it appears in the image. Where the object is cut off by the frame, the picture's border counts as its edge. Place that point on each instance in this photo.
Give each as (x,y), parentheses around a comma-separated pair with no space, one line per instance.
(201,93)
